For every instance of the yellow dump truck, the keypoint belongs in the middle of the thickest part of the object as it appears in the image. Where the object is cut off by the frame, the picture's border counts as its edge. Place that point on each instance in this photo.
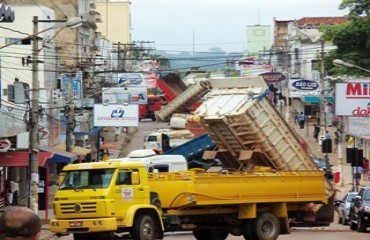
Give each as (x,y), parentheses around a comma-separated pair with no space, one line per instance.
(102,199)
(266,184)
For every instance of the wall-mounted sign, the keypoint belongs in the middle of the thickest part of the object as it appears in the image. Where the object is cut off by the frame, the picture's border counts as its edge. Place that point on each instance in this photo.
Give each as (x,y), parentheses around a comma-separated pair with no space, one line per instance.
(116,115)
(271,77)
(125,95)
(130,79)
(305,85)
(4,145)
(353,99)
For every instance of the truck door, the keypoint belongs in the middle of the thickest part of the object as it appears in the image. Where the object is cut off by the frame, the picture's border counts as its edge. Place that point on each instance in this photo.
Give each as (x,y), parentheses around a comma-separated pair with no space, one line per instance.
(126,193)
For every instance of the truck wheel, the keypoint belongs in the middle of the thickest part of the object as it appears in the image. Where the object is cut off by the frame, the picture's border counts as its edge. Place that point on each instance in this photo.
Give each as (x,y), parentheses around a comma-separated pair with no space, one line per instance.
(210,234)
(249,229)
(361,227)
(144,228)
(267,227)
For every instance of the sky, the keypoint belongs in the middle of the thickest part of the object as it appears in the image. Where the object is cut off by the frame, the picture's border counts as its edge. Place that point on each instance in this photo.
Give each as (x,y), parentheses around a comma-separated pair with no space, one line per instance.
(187,25)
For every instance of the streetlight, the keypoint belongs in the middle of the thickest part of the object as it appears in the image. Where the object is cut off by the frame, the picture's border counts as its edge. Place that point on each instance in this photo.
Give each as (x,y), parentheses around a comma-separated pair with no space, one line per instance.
(33,121)
(340,63)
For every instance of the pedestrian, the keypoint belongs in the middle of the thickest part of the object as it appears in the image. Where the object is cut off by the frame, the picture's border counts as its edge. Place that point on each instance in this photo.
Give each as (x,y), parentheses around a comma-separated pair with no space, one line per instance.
(316,131)
(301,119)
(365,166)
(327,135)
(337,139)
(295,116)
(20,223)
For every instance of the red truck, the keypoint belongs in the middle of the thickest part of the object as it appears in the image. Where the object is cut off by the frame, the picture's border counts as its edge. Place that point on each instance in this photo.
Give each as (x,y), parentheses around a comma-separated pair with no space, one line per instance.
(148,110)
(172,86)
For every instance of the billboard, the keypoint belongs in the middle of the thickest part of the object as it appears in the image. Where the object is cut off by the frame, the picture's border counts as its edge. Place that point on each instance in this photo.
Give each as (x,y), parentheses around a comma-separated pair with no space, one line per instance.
(353,99)
(359,126)
(125,95)
(116,115)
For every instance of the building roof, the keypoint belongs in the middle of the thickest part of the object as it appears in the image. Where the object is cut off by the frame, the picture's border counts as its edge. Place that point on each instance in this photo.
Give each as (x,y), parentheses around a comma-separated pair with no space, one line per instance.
(321,20)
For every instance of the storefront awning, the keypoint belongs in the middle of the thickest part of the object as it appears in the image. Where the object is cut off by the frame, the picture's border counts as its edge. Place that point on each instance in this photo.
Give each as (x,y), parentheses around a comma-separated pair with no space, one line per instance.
(76,150)
(21,159)
(92,132)
(59,156)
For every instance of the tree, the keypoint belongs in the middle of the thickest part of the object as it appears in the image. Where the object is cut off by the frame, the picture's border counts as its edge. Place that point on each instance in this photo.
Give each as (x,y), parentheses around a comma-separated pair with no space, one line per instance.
(352,39)
(356,7)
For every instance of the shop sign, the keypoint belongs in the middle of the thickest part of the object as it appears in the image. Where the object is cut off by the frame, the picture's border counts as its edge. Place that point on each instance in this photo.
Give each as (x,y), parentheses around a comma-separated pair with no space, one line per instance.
(116,115)
(306,85)
(272,77)
(4,145)
(353,99)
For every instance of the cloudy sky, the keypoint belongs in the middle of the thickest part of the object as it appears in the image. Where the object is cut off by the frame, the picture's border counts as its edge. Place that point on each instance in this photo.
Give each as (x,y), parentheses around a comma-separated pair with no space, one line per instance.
(173,24)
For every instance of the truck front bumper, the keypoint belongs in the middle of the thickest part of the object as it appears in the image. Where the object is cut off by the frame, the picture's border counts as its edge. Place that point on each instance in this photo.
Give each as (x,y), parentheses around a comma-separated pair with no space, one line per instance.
(83,225)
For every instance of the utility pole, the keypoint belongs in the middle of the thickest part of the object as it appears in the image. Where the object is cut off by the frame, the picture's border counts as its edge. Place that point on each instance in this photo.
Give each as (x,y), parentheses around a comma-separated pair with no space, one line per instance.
(70,113)
(34,126)
(322,88)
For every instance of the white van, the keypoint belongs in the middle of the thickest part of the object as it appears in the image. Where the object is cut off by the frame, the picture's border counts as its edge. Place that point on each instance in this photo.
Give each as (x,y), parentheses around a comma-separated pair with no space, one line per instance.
(154,162)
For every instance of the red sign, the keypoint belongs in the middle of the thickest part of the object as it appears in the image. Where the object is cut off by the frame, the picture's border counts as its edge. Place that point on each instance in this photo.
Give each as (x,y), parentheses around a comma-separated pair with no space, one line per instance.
(4,145)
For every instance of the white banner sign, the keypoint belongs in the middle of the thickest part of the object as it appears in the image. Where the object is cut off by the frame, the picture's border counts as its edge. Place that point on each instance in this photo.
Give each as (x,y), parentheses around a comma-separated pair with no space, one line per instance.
(359,126)
(121,95)
(116,115)
(352,99)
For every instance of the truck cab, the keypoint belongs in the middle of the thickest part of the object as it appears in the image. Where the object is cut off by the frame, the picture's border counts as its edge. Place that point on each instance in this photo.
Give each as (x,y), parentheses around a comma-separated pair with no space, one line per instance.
(157,163)
(103,198)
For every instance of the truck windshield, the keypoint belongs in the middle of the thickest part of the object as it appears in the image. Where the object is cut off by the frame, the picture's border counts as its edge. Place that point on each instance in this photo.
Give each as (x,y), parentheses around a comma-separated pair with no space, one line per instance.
(87,179)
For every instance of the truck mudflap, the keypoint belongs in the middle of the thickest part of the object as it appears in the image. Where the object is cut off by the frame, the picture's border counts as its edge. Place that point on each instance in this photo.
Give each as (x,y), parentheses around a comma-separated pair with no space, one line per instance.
(83,225)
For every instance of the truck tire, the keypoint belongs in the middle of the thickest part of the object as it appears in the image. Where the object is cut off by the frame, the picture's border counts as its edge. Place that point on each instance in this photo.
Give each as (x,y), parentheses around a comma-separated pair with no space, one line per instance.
(145,228)
(210,234)
(249,229)
(267,227)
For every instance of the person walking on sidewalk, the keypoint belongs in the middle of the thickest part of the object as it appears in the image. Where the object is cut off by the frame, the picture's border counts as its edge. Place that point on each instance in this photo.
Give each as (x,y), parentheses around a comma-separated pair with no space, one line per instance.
(20,223)
(316,131)
(301,120)
(295,116)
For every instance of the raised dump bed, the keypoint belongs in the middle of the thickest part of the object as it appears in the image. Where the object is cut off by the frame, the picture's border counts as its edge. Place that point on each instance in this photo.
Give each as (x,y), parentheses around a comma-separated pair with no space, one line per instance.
(244,123)
(182,102)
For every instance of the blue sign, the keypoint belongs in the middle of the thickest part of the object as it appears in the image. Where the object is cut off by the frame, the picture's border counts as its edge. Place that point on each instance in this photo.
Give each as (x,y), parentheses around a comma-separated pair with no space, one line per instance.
(306,85)
(117,113)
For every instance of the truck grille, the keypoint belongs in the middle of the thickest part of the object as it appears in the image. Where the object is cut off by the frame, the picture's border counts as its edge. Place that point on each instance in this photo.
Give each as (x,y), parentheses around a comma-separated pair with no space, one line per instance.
(83,207)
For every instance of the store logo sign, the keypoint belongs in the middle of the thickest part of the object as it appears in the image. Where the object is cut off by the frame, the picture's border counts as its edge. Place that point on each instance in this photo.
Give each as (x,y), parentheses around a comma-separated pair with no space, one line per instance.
(4,145)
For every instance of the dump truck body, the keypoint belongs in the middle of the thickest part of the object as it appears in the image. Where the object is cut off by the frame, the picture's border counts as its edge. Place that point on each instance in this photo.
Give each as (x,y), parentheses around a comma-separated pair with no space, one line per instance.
(102,198)
(182,102)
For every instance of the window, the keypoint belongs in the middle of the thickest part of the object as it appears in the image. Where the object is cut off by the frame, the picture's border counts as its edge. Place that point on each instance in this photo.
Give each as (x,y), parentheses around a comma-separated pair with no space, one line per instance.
(125,176)
(84,6)
(18,41)
(87,179)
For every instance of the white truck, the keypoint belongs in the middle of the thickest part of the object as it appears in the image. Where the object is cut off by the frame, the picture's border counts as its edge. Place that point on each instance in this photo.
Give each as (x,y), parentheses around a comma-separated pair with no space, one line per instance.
(157,163)
(165,139)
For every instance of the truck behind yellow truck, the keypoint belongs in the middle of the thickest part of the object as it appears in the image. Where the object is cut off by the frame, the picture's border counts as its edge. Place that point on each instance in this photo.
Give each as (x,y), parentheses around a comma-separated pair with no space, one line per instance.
(103,199)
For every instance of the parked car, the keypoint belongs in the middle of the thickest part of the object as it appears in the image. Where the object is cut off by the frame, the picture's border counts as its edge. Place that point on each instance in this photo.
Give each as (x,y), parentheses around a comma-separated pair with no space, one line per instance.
(343,206)
(359,213)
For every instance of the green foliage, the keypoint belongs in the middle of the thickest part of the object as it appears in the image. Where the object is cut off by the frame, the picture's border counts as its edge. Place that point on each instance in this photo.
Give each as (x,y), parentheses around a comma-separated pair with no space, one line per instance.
(356,7)
(351,38)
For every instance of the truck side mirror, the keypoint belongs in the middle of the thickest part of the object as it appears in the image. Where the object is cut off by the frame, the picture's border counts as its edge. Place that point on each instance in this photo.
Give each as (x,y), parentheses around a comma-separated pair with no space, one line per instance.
(135,178)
